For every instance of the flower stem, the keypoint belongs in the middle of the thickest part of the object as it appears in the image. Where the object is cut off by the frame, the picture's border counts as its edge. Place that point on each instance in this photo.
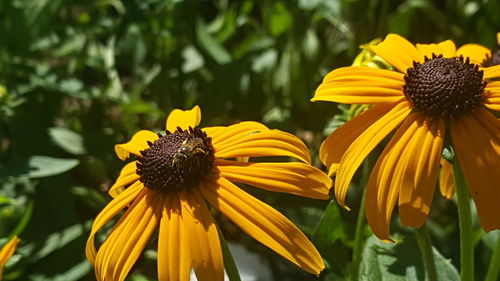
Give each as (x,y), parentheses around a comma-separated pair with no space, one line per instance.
(229,264)
(465,225)
(494,267)
(425,245)
(360,222)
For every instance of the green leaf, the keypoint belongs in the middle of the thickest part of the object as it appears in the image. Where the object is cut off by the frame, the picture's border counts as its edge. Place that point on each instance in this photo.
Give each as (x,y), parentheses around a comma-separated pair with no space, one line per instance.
(229,264)
(281,19)
(400,261)
(68,140)
(44,166)
(211,45)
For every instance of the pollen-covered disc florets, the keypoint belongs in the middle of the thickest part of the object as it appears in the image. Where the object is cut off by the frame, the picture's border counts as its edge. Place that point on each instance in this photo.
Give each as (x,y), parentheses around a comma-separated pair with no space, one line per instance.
(176,160)
(446,87)
(493,59)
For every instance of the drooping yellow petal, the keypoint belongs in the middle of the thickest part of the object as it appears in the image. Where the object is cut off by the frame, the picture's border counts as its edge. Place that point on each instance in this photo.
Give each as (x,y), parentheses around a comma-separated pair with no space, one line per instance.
(475,52)
(138,142)
(183,119)
(498,38)
(290,177)
(446,179)
(335,145)
(383,185)
(446,48)
(127,176)
(263,223)
(129,237)
(364,144)
(7,251)
(174,261)
(266,143)
(398,52)
(224,137)
(419,166)
(476,139)
(492,95)
(113,208)
(360,85)
(492,72)
(200,229)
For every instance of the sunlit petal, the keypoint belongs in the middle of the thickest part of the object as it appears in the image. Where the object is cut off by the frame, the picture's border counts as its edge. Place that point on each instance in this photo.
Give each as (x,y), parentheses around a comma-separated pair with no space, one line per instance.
(360,85)
(138,142)
(419,165)
(263,223)
(476,53)
(205,249)
(480,167)
(335,145)
(111,210)
(364,144)
(127,176)
(383,185)
(398,52)
(183,118)
(290,177)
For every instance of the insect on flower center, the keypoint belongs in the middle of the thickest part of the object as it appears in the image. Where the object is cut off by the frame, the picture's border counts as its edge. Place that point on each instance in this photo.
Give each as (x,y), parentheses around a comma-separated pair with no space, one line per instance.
(493,59)
(176,160)
(447,87)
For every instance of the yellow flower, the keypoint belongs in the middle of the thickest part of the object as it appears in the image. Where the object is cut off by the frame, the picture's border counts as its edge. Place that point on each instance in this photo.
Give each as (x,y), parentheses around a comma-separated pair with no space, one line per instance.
(174,177)
(431,91)
(480,54)
(7,251)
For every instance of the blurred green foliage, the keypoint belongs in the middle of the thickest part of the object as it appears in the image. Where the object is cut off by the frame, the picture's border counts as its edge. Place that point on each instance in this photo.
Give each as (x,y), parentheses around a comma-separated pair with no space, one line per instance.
(80,76)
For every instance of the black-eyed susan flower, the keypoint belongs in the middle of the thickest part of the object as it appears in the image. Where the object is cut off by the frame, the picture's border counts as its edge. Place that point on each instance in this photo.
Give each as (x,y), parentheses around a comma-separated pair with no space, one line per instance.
(433,94)
(174,177)
(7,251)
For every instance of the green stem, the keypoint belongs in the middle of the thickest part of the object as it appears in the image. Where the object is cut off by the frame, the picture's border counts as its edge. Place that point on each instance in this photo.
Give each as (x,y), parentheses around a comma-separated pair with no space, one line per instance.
(229,264)
(425,245)
(494,267)
(360,222)
(465,224)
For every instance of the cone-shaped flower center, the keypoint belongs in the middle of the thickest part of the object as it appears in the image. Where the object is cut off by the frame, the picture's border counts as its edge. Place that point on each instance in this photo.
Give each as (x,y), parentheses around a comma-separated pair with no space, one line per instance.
(446,87)
(176,161)
(492,60)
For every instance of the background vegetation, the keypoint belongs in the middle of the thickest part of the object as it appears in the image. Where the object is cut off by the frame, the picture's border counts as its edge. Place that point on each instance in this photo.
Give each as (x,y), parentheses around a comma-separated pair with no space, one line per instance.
(80,76)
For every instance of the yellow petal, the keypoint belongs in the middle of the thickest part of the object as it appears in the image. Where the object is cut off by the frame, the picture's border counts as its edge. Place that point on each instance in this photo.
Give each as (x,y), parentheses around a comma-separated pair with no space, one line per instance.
(127,177)
(224,137)
(174,261)
(492,95)
(290,177)
(398,52)
(446,179)
(383,184)
(476,139)
(266,143)
(204,244)
(335,145)
(138,142)
(420,165)
(127,240)
(7,251)
(263,223)
(364,144)
(361,85)
(498,38)
(446,48)
(183,119)
(113,208)
(475,52)
(492,72)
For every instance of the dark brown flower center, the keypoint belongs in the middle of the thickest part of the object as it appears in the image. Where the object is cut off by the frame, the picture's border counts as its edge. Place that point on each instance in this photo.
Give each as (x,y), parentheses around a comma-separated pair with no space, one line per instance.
(176,161)
(492,60)
(446,87)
